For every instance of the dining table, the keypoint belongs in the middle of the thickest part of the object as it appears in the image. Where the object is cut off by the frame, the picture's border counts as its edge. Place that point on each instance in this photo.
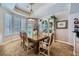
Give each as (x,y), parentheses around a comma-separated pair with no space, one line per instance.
(36,39)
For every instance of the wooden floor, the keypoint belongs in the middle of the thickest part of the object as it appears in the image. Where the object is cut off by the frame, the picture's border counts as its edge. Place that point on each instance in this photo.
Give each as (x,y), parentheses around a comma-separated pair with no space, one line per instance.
(14,48)
(61,49)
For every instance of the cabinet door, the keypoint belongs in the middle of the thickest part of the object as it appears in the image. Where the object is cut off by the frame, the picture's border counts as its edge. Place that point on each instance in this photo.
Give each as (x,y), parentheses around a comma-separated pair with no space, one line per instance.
(51,26)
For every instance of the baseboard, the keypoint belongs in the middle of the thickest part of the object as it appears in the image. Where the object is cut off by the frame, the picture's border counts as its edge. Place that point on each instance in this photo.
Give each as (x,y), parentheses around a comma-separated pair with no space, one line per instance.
(64,42)
(6,42)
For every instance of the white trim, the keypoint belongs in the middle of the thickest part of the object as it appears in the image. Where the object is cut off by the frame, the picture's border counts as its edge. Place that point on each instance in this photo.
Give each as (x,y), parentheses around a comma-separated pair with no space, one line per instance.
(64,42)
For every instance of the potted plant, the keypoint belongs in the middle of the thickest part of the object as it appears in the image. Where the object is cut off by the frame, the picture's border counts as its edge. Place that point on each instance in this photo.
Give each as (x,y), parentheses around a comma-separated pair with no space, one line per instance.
(54,17)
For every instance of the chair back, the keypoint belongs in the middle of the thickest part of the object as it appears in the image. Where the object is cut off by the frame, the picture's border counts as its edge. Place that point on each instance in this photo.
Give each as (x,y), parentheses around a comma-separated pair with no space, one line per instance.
(21,35)
(48,39)
(51,39)
(24,36)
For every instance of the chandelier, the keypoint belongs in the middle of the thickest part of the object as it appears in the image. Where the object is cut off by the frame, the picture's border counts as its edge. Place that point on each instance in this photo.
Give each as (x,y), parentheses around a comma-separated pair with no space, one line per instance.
(31,15)
(31,9)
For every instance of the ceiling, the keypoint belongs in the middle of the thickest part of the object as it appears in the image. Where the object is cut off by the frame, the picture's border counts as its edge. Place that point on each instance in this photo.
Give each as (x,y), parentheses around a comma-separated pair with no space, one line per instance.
(23,6)
(74,8)
(39,9)
(35,7)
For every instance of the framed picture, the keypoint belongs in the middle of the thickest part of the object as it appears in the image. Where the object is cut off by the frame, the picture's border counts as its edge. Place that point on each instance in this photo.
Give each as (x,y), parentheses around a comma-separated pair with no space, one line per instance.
(62,24)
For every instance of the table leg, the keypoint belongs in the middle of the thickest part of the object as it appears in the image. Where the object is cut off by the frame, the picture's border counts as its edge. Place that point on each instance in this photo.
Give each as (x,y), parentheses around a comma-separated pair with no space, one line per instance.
(37,48)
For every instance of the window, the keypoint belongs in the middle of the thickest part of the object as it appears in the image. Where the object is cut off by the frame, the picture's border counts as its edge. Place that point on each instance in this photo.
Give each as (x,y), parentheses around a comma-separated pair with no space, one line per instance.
(23,24)
(17,25)
(13,24)
(29,29)
(7,24)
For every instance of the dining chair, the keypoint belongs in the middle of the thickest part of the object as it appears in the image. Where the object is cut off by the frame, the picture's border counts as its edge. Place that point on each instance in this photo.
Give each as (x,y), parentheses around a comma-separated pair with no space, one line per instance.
(27,43)
(21,37)
(44,46)
(30,46)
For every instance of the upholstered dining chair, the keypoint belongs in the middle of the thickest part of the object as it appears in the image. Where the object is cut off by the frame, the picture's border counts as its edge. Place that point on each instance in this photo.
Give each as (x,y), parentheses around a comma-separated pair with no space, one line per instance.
(44,46)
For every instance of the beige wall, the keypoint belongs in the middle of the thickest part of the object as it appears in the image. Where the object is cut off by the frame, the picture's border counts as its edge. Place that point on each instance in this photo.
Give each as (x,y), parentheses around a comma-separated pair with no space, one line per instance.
(1,25)
(1,20)
(62,34)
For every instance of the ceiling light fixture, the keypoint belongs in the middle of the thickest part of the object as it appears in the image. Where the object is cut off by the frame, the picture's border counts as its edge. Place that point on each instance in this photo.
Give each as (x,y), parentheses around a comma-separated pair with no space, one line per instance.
(31,12)
(31,9)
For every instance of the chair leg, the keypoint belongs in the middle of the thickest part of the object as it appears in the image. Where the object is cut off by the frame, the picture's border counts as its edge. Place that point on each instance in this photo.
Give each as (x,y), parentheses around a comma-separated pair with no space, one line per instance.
(48,53)
(27,51)
(49,48)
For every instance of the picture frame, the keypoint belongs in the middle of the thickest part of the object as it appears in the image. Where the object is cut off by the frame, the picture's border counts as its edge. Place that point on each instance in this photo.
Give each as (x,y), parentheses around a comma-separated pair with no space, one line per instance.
(62,24)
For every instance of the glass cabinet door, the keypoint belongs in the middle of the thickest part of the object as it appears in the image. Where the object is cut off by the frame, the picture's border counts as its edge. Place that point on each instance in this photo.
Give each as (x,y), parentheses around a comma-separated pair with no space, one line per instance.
(51,26)
(45,27)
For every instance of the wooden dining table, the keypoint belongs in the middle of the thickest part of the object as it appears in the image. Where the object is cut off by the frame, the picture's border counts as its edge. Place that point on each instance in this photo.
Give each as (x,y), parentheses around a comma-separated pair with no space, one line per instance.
(36,39)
